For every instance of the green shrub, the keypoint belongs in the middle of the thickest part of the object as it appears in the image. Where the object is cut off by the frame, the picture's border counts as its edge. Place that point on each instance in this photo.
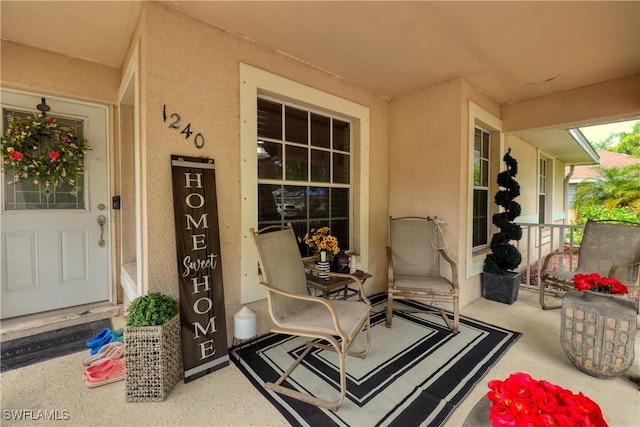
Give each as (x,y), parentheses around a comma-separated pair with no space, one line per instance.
(600,213)
(152,309)
(505,257)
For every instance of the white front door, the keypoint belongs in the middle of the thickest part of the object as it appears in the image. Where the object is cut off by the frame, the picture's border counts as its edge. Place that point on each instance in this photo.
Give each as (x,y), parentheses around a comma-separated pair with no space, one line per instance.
(52,254)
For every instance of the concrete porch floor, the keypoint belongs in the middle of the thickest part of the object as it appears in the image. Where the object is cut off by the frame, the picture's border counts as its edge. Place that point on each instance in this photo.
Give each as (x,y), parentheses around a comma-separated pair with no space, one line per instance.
(227,398)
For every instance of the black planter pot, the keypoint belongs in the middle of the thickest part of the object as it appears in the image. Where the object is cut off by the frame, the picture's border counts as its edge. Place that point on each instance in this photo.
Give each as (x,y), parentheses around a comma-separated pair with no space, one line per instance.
(501,288)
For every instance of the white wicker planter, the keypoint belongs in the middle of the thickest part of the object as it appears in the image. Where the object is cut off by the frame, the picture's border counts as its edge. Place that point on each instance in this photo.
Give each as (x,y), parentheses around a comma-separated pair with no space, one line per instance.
(153,360)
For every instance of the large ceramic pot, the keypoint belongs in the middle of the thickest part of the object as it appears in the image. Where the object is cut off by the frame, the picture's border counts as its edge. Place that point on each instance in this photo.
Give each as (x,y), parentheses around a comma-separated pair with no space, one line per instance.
(598,332)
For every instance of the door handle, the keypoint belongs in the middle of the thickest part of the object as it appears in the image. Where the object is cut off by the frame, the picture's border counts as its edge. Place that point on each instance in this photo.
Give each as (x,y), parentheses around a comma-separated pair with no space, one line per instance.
(102,220)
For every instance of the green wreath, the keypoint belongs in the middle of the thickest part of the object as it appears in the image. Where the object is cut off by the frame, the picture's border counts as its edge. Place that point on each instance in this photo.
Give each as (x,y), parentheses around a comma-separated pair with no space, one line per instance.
(40,149)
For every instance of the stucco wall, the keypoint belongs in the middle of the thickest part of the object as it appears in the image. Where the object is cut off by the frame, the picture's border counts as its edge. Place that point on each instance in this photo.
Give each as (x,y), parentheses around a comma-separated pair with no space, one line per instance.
(425,160)
(527,157)
(608,101)
(193,69)
(429,164)
(34,70)
(424,154)
(425,157)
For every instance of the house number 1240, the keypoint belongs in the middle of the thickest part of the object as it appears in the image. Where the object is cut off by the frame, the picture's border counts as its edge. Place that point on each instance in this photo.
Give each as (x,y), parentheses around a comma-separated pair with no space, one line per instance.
(174,118)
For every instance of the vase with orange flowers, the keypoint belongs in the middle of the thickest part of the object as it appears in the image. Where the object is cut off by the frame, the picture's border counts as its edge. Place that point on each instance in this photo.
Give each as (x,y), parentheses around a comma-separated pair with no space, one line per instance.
(324,247)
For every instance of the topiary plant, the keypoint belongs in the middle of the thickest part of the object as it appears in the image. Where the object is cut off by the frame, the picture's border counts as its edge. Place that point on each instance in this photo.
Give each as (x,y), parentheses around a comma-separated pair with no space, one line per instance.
(505,256)
(151,310)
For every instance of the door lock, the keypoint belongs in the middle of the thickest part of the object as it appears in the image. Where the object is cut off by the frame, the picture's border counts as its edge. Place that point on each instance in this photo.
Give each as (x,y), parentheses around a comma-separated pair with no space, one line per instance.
(102,220)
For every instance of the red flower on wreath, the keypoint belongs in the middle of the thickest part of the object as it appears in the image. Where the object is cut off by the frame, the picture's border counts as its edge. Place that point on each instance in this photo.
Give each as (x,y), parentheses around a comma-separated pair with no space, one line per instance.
(594,282)
(40,149)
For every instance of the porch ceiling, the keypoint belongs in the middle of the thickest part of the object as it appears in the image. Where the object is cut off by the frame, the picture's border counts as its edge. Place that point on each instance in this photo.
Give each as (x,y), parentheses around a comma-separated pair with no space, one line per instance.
(561,145)
(511,51)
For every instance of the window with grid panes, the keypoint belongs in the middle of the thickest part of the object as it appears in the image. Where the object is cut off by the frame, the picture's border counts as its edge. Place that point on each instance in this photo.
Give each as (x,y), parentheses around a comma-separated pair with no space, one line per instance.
(481,163)
(542,191)
(304,170)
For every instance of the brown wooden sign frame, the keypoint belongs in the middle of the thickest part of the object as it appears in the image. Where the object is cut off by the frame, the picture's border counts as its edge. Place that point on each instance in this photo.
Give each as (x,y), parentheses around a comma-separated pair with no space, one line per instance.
(202,311)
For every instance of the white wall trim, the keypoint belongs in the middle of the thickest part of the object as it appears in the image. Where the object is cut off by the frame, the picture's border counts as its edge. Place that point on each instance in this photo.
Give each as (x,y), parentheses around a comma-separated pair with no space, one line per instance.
(527,219)
(132,282)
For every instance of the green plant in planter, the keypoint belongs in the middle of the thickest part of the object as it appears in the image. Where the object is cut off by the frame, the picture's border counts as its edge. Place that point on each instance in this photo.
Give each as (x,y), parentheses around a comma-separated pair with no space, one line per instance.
(505,257)
(151,310)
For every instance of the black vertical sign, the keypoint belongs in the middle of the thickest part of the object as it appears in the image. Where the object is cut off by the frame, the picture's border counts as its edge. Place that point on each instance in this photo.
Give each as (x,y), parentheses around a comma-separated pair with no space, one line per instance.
(202,314)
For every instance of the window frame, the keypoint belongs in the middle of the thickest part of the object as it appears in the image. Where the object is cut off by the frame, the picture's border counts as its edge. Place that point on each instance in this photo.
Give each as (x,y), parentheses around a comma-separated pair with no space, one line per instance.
(486,161)
(255,82)
(543,185)
(479,117)
(307,221)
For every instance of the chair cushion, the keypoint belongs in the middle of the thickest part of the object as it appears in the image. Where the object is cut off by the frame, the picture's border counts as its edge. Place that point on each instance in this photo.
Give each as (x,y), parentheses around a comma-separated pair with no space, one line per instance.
(430,284)
(316,317)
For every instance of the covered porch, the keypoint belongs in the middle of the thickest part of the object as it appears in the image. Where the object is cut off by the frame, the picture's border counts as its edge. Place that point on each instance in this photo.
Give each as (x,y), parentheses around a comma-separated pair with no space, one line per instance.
(414,81)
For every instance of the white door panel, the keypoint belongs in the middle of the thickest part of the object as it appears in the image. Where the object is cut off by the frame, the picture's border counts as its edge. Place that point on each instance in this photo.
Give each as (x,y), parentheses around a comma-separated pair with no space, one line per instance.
(51,258)
(21,263)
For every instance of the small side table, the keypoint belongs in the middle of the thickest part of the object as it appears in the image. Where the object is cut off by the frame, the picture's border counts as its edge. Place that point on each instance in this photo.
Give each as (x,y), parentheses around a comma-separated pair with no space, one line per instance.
(598,332)
(334,286)
(479,415)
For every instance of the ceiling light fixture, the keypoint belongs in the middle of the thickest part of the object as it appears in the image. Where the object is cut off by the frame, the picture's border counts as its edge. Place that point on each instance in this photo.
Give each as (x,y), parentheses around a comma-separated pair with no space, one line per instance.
(262,153)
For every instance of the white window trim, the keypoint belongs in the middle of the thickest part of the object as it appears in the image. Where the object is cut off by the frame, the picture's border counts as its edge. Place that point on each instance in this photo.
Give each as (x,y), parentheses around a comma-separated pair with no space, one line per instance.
(254,82)
(133,277)
(545,191)
(479,117)
(475,187)
(550,194)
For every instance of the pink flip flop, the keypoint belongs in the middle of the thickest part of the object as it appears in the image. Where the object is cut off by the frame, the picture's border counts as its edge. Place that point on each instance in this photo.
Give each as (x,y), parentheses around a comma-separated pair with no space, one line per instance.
(92,370)
(112,372)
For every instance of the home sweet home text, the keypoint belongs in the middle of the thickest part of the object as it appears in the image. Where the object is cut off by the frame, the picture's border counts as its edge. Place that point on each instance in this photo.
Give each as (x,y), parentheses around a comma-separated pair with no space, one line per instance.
(202,315)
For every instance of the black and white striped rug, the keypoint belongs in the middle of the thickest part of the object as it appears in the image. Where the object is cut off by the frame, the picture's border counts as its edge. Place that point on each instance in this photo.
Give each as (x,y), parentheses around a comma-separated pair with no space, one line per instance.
(416,373)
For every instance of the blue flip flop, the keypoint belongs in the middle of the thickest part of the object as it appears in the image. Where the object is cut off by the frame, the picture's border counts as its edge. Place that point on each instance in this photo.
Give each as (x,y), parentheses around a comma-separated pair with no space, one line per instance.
(99,338)
(109,338)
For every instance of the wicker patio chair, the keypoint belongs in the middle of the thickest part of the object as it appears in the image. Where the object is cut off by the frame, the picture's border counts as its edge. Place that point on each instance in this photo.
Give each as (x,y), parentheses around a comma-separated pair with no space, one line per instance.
(611,249)
(295,312)
(415,271)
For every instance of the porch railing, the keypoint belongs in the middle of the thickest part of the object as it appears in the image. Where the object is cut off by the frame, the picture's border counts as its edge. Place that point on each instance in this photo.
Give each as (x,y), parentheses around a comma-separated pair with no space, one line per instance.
(538,240)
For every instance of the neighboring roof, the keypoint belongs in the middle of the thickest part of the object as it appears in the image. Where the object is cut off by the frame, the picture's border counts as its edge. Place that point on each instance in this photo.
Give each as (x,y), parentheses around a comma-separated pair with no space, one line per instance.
(607,159)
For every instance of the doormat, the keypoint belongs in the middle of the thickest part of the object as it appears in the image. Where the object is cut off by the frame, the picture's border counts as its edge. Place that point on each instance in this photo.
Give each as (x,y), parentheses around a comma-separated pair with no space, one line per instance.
(416,373)
(37,348)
